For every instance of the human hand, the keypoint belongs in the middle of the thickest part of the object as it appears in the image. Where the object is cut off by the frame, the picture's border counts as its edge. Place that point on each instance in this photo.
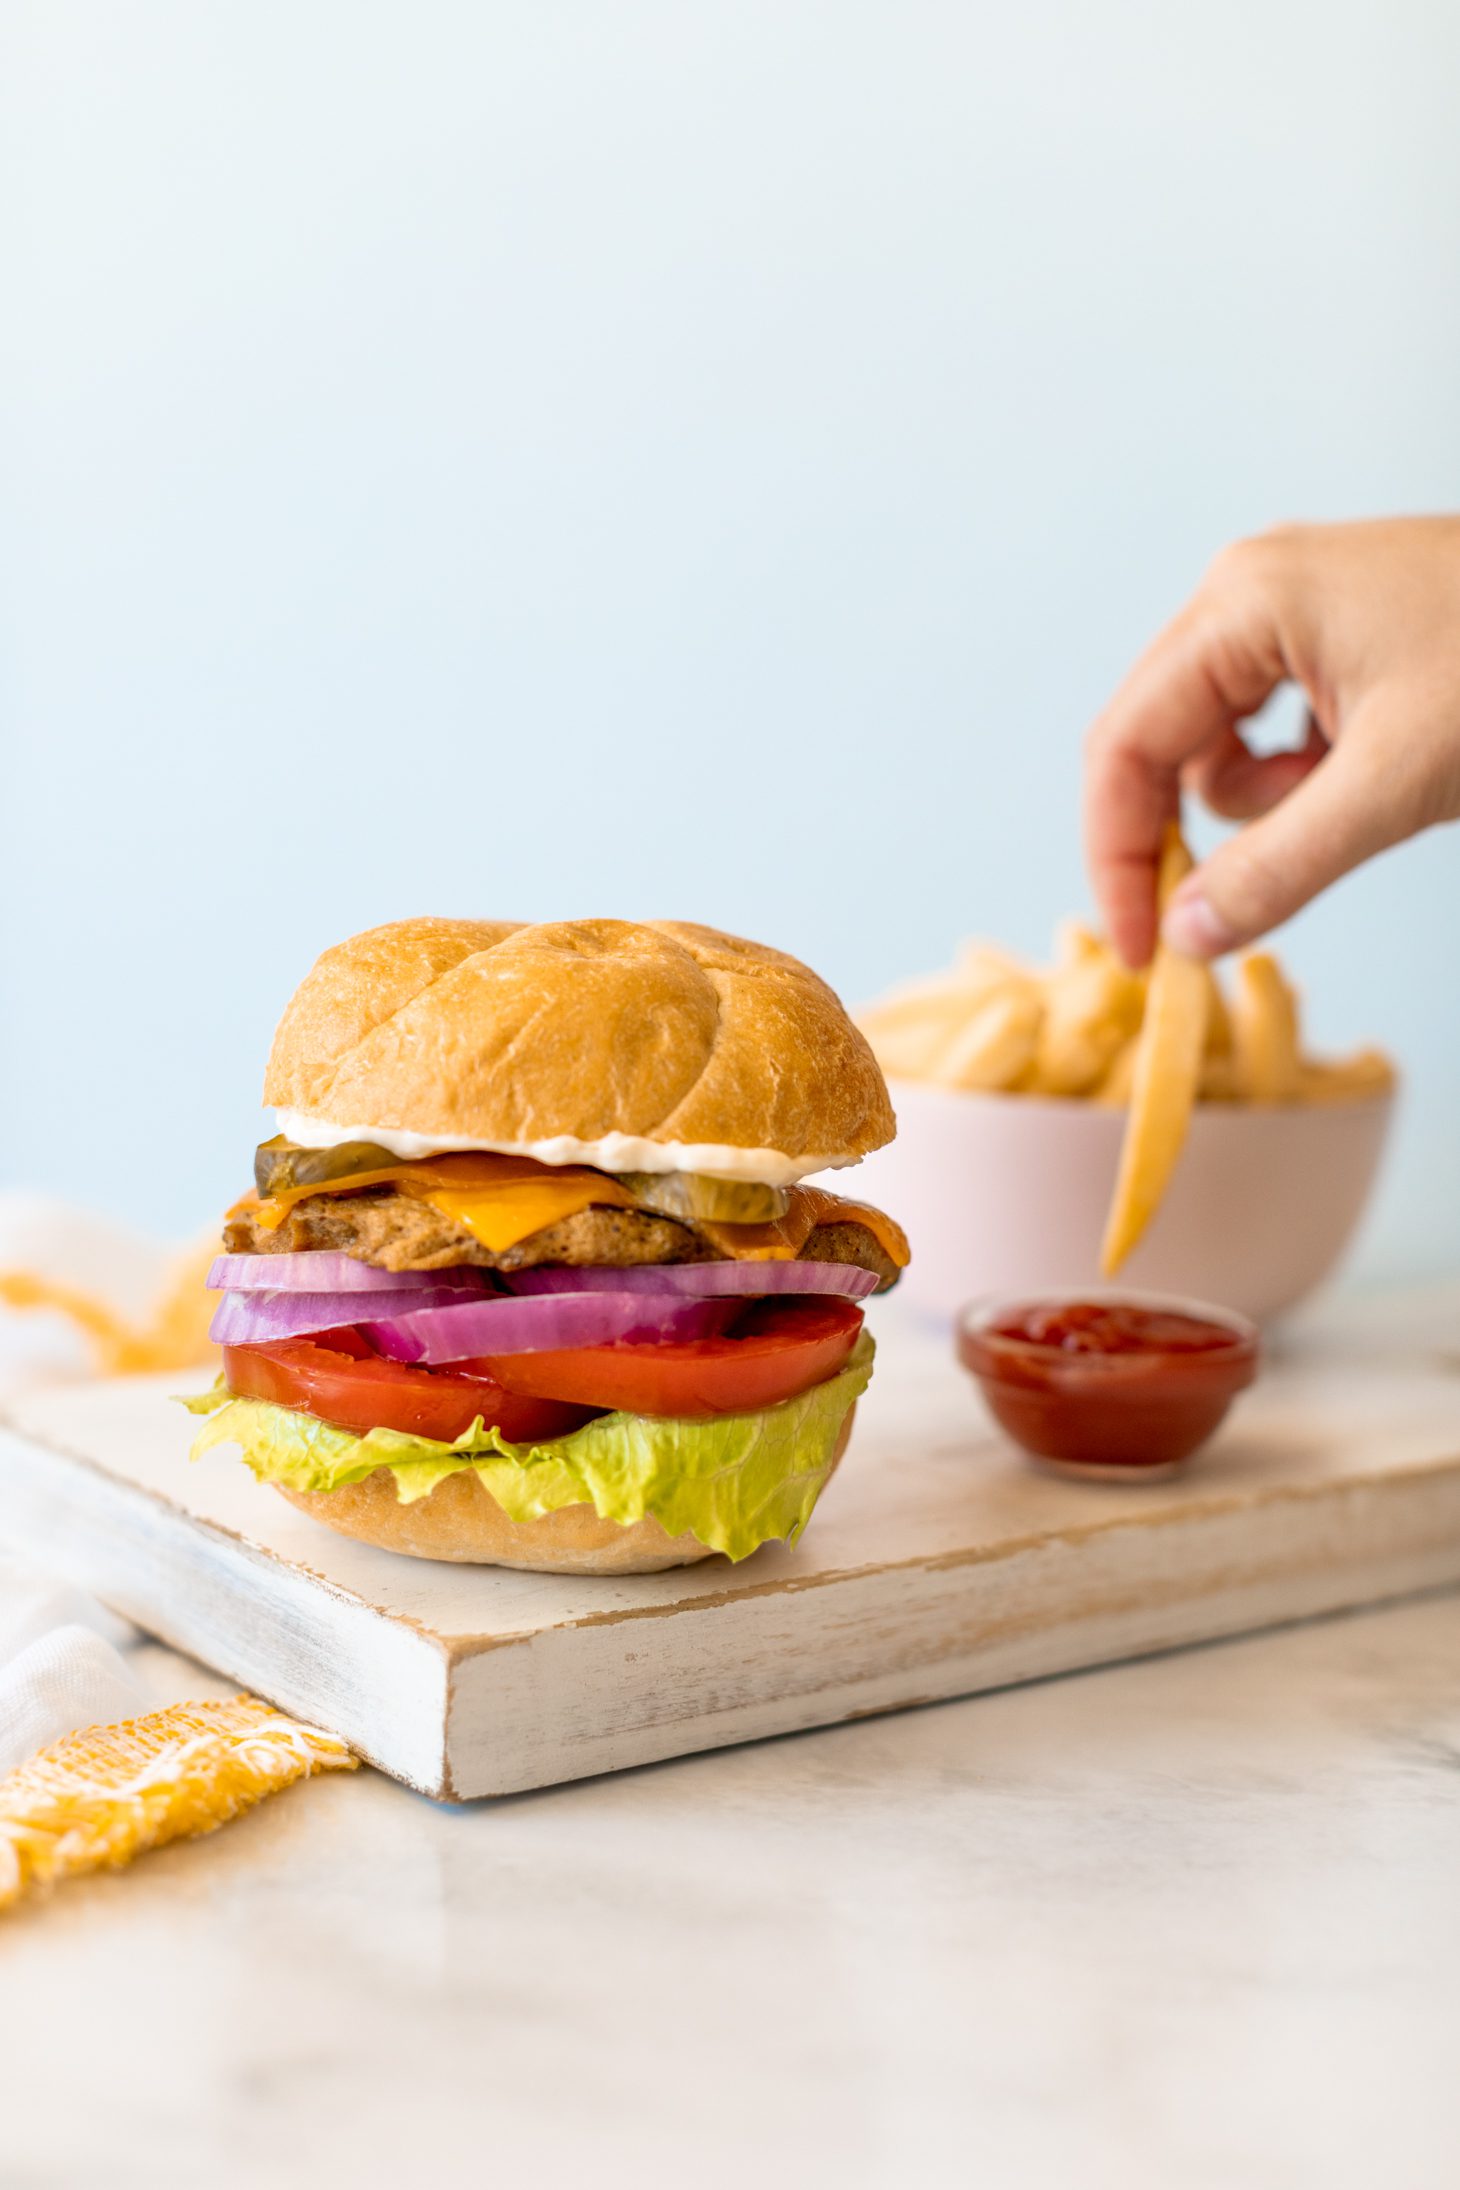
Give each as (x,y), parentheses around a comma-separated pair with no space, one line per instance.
(1366,619)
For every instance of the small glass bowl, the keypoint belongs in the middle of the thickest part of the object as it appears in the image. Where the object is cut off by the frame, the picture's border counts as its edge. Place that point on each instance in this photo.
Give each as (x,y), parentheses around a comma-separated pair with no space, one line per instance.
(1125,1417)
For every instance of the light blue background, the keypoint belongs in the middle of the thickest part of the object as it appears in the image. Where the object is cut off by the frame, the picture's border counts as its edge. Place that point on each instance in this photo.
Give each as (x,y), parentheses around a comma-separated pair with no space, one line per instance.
(700,459)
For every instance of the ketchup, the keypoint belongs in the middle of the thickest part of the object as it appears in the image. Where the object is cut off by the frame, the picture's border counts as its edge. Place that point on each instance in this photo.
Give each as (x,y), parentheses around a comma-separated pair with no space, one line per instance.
(1120,1386)
(1112,1327)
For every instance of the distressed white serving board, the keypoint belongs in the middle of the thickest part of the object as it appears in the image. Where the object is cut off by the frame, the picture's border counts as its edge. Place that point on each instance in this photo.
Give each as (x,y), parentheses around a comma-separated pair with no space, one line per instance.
(937,1564)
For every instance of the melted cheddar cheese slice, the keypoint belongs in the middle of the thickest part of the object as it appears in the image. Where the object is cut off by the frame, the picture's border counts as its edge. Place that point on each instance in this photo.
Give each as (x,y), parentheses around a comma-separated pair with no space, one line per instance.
(500,1200)
(503,1200)
(783,1240)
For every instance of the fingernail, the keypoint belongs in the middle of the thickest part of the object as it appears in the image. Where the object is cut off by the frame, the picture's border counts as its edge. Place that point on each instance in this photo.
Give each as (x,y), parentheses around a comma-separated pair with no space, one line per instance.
(1193,926)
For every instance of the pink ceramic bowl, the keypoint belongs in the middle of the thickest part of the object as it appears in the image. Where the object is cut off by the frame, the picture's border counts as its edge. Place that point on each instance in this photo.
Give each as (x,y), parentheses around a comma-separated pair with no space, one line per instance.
(1008,1193)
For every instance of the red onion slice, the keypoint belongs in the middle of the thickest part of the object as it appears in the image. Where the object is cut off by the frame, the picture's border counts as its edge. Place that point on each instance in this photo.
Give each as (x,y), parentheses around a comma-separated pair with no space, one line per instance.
(318,1270)
(252,1319)
(702,1280)
(467,1328)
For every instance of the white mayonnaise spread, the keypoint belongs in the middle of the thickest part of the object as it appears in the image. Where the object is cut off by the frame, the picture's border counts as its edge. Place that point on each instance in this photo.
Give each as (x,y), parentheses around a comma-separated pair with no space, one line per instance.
(615,1152)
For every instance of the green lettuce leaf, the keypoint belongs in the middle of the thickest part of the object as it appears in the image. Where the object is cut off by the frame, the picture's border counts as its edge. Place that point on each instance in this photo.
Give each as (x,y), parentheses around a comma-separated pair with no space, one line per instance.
(735,1481)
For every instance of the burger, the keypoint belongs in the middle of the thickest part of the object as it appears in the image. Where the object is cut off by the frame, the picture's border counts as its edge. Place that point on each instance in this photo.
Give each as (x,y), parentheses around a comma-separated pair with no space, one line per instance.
(529,1274)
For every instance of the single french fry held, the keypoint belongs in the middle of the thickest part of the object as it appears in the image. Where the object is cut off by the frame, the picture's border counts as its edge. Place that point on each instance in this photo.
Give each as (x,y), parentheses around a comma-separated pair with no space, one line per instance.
(1167,1069)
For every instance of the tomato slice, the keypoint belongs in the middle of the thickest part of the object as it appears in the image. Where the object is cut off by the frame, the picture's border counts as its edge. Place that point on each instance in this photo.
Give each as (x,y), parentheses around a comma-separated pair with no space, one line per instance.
(774,1349)
(338,1378)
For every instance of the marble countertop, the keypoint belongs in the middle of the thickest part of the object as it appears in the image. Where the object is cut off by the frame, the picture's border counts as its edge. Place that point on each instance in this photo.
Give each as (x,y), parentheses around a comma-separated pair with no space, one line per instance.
(1188,1923)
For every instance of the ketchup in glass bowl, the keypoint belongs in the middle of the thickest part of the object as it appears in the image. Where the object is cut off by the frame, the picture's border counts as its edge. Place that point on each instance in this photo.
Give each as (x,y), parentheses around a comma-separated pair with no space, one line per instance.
(1108,1384)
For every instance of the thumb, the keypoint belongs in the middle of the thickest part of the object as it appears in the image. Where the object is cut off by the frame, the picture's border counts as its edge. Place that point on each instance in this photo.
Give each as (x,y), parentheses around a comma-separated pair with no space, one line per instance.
(1338,816)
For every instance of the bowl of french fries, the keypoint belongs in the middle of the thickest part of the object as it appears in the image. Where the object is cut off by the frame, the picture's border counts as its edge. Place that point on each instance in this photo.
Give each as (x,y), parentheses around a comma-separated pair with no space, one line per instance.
(1058,1123)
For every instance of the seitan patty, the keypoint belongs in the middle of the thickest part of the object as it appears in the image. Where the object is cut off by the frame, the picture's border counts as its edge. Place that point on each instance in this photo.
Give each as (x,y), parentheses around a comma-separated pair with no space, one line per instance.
(396,1232)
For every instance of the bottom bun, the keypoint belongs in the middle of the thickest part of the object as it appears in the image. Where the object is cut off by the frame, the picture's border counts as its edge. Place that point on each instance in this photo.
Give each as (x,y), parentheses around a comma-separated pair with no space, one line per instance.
(461,1520)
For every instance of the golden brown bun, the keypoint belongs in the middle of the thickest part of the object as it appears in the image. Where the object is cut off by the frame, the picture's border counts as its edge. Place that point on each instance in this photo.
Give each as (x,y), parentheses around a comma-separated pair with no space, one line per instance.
(461,1520)
(499,1033)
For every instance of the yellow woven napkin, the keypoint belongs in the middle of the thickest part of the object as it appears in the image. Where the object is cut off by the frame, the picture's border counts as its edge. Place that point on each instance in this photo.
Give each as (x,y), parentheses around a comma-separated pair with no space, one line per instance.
(97,1798)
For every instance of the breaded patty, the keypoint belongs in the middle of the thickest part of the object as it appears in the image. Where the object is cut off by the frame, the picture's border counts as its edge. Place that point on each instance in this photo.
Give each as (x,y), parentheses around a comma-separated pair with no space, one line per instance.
(397,1232)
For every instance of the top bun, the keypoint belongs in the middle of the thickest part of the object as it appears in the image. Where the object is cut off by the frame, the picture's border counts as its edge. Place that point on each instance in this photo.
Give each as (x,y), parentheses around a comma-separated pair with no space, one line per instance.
(493,1033)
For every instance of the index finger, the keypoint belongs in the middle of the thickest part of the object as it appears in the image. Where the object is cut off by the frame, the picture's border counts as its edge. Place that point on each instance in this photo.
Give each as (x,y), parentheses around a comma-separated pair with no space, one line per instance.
(1216,663)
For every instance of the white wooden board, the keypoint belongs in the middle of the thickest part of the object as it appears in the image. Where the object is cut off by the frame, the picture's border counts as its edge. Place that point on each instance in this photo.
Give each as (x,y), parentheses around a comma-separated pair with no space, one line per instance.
(938,1564)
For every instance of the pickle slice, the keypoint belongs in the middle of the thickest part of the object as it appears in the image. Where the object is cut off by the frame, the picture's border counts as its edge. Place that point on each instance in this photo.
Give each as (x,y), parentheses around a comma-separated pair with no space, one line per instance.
(696,1199)
(279,1165)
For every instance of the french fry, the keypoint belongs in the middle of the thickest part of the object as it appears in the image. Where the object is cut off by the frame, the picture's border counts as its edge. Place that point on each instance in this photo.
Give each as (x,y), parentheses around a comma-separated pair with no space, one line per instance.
(988,964)
(910,1048)
(1265,1031)
(1219,1082)
(1114,1088)
(1346,1079)
(990,1021)
(911,1028)
(1092,1008)
(978,970)
(909,1031)
(1219,1019)
(998,1042)
(929,1002)
(1075,944)
(1167,1069)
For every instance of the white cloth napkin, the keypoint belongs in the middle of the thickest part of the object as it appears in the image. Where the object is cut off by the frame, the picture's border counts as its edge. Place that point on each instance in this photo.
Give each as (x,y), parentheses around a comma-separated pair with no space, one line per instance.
(67,1679)
(61,1662)
(60,1667)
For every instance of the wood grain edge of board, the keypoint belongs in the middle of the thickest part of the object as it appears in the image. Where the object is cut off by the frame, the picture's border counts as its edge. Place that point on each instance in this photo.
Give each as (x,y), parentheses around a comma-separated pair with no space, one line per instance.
(110,1522)
(1385,1538)
(1243,1498)
(449,1774)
